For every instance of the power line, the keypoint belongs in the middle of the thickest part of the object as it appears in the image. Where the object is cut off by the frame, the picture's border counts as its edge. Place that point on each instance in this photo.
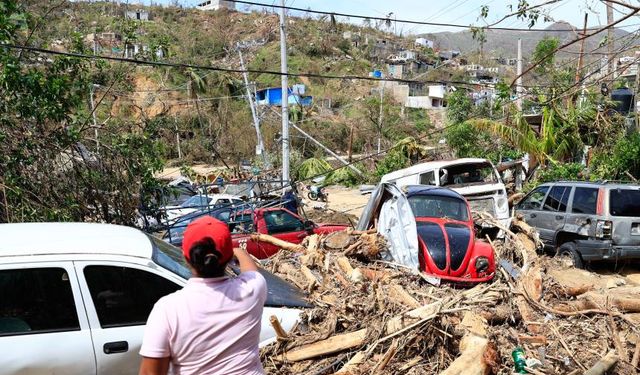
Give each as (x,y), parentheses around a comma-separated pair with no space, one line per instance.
(229,70)
(327,13)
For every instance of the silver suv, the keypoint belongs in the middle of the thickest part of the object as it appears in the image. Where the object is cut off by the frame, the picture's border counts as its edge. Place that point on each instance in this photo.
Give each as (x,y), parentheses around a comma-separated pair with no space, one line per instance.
(586,221)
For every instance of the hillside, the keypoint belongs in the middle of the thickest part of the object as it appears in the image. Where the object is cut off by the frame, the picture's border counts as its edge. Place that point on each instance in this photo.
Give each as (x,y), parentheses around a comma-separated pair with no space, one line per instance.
(504,43)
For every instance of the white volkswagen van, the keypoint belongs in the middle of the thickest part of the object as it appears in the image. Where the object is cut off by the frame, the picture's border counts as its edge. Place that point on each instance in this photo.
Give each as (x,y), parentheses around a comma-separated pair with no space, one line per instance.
(475,179)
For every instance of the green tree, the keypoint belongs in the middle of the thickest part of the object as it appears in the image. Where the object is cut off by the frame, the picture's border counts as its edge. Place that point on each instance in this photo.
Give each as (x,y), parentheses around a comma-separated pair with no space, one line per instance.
(544,54)
(51,169)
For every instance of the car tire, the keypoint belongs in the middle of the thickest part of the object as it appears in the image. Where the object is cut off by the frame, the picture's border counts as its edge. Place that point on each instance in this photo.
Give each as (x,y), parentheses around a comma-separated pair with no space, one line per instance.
(570,252)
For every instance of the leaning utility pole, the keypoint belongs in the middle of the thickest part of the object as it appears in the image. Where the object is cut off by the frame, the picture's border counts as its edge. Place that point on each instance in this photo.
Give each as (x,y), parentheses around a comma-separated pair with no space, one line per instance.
(285,97)
(256,122)
(581,56)
(519,90)
(611,66)
(93,115)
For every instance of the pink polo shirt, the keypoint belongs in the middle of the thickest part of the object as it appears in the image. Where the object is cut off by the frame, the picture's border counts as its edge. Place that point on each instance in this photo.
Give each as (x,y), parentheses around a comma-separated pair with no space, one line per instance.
(211,326)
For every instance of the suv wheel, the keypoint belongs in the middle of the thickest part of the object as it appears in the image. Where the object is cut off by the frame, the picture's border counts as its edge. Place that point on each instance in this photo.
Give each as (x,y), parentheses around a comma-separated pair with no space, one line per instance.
(569,253)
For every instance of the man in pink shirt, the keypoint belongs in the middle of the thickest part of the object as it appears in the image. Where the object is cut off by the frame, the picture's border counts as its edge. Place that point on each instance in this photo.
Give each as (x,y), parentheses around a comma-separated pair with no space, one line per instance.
(212,325)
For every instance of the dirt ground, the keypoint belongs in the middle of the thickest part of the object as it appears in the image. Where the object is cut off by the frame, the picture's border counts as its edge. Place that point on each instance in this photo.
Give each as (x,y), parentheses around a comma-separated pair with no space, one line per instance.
(344,207)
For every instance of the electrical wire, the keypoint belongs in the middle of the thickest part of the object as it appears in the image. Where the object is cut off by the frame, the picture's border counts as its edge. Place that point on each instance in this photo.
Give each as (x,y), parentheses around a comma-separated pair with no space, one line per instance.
(327,13)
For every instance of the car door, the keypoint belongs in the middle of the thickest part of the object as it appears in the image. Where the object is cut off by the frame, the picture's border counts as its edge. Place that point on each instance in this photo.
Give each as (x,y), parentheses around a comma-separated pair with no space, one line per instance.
(531,205)
(553,215)
(281,224)
(583,207)
(43,324)
(119,297)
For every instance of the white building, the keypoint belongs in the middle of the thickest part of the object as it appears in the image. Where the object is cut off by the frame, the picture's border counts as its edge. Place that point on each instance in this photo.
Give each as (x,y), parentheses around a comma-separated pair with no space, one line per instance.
(216,5)
(424,42)
(138,14)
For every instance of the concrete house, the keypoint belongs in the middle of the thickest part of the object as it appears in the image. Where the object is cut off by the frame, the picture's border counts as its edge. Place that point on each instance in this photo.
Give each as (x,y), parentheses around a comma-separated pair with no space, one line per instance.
(424,42)
(272,96)
(138,14)
(217,5)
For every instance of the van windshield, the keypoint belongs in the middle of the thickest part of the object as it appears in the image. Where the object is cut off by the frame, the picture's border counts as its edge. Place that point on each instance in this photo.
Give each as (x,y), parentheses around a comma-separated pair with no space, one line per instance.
(468,174)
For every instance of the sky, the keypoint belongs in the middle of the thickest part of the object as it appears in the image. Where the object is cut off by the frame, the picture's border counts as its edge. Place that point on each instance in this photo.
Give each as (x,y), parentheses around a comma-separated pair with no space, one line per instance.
(464,12)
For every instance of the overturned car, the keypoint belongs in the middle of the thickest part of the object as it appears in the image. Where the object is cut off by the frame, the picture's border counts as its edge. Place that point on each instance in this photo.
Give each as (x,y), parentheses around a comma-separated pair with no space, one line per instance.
(429,229)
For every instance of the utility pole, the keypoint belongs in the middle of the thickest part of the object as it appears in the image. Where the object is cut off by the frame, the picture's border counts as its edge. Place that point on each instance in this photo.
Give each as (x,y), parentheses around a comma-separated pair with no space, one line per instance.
(611,66)
(93,114)
(285,97)
(256,122)
(380,115)
(581,56)
(328,150)
(519,90)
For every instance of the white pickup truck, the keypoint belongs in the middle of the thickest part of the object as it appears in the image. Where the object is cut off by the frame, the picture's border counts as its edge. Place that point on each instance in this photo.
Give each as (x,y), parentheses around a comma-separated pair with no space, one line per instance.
(475,179)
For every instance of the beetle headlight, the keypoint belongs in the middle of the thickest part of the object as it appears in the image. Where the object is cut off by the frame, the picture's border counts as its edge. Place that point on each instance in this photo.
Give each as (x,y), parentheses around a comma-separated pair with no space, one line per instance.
(482,264)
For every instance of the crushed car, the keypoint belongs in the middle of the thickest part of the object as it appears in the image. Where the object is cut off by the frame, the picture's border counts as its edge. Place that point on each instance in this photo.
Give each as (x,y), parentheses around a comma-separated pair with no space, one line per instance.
(429,229)
(475,179)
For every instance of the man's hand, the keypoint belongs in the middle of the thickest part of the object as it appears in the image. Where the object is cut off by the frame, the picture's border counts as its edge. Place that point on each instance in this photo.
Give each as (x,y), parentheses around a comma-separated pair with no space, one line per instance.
(245,261)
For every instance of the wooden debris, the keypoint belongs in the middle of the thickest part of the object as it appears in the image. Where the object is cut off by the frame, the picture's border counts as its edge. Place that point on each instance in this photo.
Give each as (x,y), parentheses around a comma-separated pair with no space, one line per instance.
(259,237)
(331,345)
(473,347)
(353,363)
(312,281)
(281,334)
(398,293)
(370,314)
(603,365)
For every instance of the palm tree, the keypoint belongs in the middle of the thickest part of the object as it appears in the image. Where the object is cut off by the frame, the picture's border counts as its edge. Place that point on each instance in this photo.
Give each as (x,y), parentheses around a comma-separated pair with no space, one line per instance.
(558,139)
(196,84)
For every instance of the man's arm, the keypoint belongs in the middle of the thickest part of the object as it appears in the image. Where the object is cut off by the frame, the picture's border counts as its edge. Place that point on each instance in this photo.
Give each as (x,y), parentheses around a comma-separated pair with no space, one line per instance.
(244,260)
(154,366)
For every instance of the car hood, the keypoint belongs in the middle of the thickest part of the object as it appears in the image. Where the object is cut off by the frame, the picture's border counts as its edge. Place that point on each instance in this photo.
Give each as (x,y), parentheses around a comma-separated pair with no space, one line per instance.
(447,242)
(467,189)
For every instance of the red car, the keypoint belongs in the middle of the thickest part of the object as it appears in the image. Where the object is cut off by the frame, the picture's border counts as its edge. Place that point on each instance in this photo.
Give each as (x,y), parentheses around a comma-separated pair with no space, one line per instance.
(278,222)
(448,248)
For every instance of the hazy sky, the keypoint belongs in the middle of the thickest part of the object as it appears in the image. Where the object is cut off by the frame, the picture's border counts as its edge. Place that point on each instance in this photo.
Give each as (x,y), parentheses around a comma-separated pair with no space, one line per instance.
(448,11)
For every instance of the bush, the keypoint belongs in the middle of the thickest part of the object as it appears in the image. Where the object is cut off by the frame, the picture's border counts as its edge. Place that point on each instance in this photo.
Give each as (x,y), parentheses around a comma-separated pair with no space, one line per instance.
(392,162)
(344,176)
(615,164)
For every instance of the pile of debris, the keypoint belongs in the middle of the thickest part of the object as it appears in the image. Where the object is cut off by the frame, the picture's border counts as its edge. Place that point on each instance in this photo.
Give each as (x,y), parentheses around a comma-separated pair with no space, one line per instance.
(372,316)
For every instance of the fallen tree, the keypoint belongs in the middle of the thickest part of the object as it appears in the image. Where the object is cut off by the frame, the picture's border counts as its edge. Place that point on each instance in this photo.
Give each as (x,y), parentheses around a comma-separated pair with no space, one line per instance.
(377,317)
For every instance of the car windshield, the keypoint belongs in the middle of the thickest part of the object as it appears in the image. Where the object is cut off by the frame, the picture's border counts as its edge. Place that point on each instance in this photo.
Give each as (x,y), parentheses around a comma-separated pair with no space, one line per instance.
(624,202)
(439,207)
(196,201)
(468,174)
(169,257)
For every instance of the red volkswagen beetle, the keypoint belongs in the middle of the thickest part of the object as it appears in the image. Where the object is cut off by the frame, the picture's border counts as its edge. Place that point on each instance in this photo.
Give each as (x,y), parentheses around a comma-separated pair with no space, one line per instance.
(448,248)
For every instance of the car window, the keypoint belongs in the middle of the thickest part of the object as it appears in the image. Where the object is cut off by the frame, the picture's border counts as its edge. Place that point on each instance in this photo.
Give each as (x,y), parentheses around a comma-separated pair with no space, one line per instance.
(534,200)
(280,221)
(439,207)
(36,300)
(125,296)
(624,202)
(196,201)
(585,201)
(222,201)
(428,178)
(557,199)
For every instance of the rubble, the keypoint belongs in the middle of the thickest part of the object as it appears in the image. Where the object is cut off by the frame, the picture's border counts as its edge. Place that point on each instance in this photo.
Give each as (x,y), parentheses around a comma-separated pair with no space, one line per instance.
(372,316)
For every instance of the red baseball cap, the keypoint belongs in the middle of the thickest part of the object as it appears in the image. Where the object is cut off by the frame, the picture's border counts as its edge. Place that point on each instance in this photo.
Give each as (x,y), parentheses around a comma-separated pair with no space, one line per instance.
(208,227)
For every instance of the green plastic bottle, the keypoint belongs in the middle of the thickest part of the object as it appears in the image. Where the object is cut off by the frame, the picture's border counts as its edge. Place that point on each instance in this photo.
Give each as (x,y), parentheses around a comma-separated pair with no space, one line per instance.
(519,360)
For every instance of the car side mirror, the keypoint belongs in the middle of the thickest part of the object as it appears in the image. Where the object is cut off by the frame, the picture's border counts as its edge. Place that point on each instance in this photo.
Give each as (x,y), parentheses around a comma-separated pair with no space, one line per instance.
(309,226)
